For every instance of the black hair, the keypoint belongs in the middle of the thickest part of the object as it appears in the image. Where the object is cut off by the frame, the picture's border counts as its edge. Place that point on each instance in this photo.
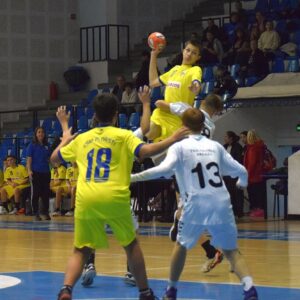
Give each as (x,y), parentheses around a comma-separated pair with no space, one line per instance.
(235,138)
(245,132)
(106,107)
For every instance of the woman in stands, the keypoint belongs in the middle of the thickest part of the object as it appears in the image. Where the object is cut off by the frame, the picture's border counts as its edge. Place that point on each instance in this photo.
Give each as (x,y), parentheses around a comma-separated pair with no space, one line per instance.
(38,154)
(254,163)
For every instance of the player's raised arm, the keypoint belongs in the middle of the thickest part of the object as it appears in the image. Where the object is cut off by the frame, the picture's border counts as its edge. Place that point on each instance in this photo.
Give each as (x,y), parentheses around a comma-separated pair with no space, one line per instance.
(144,96)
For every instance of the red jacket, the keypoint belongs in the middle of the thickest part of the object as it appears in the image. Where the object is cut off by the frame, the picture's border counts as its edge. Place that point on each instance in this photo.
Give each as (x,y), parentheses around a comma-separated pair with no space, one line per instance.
(254,160)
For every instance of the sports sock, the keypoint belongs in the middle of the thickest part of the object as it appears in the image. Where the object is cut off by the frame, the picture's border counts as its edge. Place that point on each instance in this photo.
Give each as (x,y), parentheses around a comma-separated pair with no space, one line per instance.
(247,282)
(91,259)
(209,249)
(172,284)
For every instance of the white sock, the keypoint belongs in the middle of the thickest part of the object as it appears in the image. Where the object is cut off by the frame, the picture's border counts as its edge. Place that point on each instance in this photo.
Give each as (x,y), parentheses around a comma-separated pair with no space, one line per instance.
(247,282)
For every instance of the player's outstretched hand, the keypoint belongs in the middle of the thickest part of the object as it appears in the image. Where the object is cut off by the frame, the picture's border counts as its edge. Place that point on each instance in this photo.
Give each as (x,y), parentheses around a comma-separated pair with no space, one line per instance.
(62,115)
(180,134)
(195,87)
(144,94)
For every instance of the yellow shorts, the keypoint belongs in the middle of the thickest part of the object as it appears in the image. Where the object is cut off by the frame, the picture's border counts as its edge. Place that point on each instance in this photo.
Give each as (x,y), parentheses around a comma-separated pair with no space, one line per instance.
(168,122)
(64,187)
(91,232)
(10,191)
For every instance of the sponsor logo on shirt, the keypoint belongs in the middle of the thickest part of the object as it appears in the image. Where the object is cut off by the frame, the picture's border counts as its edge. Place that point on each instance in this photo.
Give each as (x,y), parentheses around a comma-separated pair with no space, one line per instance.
(174,84)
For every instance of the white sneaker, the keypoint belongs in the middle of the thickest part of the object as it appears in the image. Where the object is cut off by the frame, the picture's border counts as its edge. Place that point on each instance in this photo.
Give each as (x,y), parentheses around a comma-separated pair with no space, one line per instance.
(13,212)
(56,213)
(88,276)
(70,213)
(3,211)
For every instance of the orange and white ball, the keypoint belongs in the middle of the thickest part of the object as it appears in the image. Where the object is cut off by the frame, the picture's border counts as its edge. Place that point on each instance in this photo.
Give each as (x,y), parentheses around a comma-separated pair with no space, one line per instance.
(156,40)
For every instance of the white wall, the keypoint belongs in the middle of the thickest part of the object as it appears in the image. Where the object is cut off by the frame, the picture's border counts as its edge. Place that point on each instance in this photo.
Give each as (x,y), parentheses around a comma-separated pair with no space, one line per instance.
(38,42)
(293,185)
(275,125)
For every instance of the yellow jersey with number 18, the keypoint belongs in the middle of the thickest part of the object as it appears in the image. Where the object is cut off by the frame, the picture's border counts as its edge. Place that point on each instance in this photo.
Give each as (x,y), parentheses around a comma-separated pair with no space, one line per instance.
(104,156)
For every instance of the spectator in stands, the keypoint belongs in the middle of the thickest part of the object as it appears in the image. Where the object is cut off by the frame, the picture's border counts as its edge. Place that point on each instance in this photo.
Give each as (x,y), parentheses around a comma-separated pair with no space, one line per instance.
(260,21)
(229,30)
(238,53)
(257,64)
(225,83)
(269,41)
(233,147)
(242,15)
(37,164)
(142,77)
(16,181)
(129,99)
(212,50)
(254,162)
(243,139)
(72,176)
(119,88)
(58,186)
(212,27)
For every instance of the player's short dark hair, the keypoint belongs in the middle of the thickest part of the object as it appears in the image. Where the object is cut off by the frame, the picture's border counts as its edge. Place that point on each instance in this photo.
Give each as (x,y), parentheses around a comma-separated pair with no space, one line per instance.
(193,119)
(195,42)
(105,106)
(214,101)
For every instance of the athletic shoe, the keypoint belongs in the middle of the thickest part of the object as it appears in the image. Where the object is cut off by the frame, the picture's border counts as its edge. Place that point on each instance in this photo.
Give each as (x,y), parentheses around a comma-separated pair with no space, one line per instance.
(148,296)
(3,211)
(174,229)
(129,279)
(171,294)
(212,262)
(13,212)
(37,218)
(88,276)
(70,213)
(251,294)
(65,294)
(56,213)
(21,211)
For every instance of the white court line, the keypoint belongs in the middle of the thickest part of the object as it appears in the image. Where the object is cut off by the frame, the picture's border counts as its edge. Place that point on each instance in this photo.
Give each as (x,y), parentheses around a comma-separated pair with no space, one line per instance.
(135,299)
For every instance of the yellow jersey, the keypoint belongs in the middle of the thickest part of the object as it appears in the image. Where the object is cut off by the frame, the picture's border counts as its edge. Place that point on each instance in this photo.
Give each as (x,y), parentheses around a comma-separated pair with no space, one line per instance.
(72,175)
(58,173)
(1,178)
(16,174)
(177,82)
(104,156)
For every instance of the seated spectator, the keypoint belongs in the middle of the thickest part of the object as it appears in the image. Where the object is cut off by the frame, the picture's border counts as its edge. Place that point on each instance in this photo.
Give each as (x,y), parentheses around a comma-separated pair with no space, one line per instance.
(260,22)
(129,98)
(212,50)
(142,77)
(238,53)
(119,88)
(71,177)
(58,186)
(225,83)
(269,41)
(212,27)
(257,64)
(16,181)
(230,28)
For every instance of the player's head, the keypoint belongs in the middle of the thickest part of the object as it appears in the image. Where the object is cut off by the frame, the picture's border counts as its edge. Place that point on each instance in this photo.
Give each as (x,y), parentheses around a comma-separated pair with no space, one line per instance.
(243,137)
(193,119)
(212,104)
(40,136)
(106,108)
(191,52)
(11,160)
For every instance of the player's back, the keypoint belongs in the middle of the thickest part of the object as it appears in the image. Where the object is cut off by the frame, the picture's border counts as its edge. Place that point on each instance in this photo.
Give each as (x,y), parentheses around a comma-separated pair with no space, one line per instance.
(104,156)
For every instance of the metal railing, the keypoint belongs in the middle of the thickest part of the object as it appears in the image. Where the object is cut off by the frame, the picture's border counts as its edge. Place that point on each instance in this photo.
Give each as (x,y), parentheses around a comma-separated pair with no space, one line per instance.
(104,42)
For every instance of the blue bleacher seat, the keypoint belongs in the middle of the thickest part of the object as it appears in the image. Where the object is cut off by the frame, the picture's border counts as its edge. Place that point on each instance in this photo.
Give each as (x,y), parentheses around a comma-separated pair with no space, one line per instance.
(90,112)
(234,69)
(47,124)
(293,64)
(208,74)
(296,37)
(92,94)
(122,121)
(249,81)
(134,121)
(278,65)
(22,156)
(80,111)
(57,126)
(207,88)
(82,124)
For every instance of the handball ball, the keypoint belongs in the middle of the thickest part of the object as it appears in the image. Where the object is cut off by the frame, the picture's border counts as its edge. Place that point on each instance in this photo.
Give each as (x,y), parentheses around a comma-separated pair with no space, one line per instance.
(156,40)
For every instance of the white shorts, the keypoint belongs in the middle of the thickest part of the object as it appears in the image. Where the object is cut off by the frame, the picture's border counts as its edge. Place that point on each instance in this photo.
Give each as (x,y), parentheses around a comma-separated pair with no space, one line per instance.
(224,236)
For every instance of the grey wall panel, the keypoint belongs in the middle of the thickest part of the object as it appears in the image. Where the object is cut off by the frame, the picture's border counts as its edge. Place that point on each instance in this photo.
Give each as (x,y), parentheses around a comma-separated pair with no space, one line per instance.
(19,70)
(19,47)
(38,70)
(37,48)
(37,25)
(20,93)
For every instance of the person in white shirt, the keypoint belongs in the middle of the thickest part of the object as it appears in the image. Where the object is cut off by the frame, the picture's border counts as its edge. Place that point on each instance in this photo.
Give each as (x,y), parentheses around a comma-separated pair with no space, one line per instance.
(199,164)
